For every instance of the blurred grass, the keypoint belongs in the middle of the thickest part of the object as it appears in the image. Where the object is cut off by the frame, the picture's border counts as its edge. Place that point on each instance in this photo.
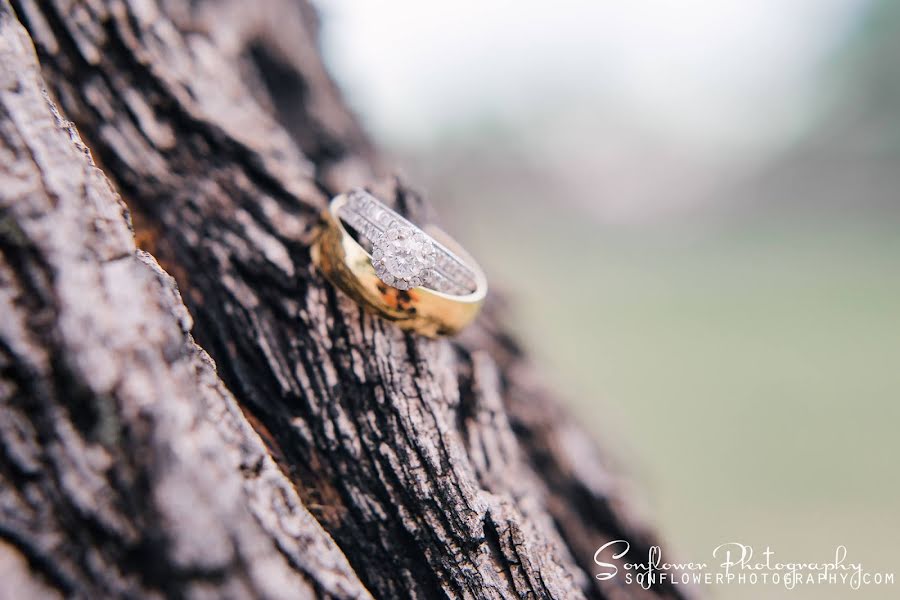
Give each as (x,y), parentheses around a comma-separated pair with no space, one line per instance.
(747,375)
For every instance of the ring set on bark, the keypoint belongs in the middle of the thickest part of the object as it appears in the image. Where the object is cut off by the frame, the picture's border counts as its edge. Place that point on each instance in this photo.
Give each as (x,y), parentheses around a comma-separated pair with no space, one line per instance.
(417,277)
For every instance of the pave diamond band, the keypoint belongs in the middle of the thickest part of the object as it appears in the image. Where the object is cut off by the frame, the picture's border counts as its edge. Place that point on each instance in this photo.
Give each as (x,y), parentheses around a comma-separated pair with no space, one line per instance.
(403,255)
(418,278)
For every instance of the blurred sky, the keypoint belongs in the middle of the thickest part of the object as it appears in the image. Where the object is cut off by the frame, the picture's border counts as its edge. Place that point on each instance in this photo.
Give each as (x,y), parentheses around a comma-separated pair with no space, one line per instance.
(704,89)
(727,72)
(713,185)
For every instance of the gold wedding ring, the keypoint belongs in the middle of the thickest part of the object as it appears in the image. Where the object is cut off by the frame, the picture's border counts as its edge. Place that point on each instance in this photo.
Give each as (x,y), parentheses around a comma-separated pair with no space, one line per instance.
(418,278)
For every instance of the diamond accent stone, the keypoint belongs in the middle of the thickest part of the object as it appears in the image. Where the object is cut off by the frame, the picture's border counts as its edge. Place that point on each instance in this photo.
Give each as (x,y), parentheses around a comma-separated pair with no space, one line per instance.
(403,257)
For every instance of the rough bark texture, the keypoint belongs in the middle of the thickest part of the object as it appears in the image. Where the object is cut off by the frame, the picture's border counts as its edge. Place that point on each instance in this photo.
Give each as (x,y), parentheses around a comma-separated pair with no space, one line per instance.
(328,454)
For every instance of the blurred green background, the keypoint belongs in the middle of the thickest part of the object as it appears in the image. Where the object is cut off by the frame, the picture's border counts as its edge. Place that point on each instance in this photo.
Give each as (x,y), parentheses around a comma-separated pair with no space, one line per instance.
(694,210)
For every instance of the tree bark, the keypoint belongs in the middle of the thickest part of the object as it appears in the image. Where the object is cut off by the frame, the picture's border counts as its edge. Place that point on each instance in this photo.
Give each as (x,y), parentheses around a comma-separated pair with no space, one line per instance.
(325,453)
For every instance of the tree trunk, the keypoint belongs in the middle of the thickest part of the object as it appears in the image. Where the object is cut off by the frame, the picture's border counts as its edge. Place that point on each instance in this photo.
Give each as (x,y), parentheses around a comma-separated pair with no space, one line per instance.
(324,453)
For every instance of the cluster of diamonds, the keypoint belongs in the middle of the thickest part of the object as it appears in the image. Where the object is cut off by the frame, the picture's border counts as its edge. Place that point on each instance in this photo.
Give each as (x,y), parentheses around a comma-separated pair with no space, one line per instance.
(403,256)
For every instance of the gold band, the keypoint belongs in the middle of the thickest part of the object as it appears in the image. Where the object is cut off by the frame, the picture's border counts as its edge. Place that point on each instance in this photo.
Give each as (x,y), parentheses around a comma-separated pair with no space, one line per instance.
(347,265)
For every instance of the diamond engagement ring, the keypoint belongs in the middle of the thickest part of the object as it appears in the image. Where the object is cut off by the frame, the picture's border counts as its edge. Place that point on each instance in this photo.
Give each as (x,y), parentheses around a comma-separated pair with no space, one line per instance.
(417,277)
